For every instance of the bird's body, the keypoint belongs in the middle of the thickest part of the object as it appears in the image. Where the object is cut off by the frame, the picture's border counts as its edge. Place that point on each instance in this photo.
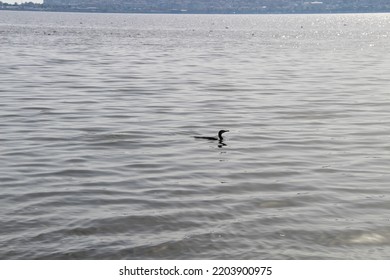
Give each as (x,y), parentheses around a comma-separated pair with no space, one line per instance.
(220,138)
(207,138)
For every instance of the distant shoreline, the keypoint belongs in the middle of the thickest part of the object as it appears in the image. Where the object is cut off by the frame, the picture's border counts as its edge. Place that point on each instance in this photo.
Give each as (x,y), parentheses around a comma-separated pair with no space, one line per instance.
(193,13)
(34,7)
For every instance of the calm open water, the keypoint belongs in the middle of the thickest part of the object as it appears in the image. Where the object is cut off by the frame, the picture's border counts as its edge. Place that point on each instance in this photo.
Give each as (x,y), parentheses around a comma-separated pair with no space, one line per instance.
(98,158)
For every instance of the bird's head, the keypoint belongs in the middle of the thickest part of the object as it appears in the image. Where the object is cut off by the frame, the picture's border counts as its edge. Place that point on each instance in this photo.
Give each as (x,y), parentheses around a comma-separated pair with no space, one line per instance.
(222,131)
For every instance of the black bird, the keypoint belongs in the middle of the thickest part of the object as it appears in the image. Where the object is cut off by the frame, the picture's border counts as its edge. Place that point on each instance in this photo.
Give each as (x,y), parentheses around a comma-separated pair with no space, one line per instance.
(220,138)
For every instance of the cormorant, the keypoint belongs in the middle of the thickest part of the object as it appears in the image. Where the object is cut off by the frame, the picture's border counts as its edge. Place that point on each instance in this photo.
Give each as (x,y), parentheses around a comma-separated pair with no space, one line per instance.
(220,138)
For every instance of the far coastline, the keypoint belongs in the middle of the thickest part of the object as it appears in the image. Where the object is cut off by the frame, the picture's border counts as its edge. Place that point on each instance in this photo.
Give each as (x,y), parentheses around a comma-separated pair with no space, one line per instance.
(161,7)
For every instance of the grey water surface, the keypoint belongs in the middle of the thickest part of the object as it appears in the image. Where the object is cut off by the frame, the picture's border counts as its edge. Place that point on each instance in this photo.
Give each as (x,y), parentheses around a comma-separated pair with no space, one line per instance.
(98,114)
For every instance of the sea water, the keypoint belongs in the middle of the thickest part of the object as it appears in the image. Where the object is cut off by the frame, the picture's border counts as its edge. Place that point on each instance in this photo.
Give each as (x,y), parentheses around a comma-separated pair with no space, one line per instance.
(98,114)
